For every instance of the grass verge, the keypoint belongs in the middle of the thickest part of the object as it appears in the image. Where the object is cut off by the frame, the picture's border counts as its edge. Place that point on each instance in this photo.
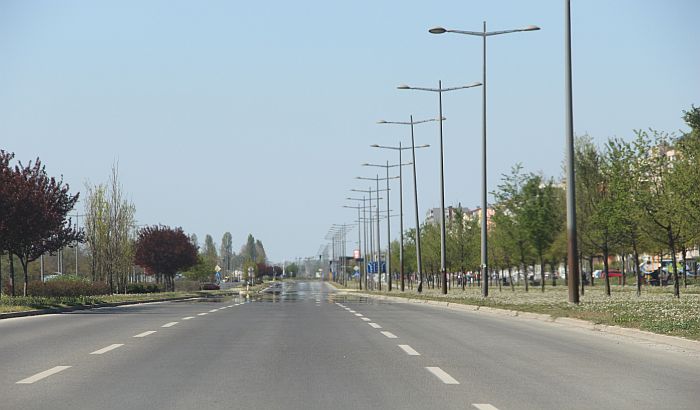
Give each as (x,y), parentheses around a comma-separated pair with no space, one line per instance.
(21,303)
(656,310)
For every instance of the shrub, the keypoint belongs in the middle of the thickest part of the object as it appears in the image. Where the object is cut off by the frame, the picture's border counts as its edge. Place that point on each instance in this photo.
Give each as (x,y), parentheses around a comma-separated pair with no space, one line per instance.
(142,288)
(71,287)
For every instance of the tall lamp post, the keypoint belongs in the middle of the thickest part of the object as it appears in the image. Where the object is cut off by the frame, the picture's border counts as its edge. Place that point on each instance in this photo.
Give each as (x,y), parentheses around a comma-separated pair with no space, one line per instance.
(419,263)
(379,246)
(572,248)
(359,233)
(443,251)
(400,166)
(484,210)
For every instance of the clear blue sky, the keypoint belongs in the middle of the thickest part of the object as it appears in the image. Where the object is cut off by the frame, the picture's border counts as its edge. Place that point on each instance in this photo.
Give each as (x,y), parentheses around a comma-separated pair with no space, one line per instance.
(254,117)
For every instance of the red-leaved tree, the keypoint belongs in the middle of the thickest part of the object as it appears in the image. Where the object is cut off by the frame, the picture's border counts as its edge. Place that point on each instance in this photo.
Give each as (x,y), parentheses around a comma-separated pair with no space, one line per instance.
(34,220)
(164,251)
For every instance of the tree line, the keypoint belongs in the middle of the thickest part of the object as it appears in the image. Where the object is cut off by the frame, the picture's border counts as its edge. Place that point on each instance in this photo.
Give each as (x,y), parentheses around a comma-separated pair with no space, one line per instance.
(35,221)
(633,197)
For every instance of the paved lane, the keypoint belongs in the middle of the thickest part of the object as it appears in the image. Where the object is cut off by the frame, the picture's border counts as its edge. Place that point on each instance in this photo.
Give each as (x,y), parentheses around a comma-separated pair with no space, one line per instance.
(304,346)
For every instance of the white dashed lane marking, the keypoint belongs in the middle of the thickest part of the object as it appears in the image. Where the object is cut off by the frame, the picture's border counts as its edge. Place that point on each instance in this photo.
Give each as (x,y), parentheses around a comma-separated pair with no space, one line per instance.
(171,324)
(374,325)
(188,318)
(108,348)
(409,350)
(202,314)
(484,406)
(390,335)
(442,375)
(366,319)
(43,375)
(144,334)
(359,314)
(213,310)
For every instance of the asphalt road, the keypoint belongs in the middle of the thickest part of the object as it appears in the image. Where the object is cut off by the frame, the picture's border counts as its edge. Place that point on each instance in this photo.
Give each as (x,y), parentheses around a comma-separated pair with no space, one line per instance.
(309,347)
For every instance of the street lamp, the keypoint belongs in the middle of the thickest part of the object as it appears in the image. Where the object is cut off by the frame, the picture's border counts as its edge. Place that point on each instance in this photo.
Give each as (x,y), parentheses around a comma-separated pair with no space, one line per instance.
(379,246)
(400,149)
(371,228)
(419,263)
(359,233)
(400,166)
(443,251)
(483,34)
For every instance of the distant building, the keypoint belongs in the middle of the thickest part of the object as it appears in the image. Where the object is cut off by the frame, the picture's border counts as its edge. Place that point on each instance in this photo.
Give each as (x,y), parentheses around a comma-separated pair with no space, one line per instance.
(433,214)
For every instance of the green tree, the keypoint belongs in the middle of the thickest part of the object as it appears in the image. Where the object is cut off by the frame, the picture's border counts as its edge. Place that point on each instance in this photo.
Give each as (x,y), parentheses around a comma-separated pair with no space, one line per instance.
(211,257)
(226,251)
(664,193)
(541,219)
(510,217)
(260,256)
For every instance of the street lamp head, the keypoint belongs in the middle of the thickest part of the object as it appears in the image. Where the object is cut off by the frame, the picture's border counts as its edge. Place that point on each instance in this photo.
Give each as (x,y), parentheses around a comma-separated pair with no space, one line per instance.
(531,28)
(474,84)
(374,145)
(437,30)
(365,165)
(403,87)
(381,122)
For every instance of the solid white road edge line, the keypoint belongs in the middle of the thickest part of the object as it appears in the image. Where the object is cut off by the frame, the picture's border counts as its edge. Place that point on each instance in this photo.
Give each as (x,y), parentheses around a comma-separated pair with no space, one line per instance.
(442,375)
(389,335)
(108,348)
(170,324)
(43,375)
(409,350)
(144,334)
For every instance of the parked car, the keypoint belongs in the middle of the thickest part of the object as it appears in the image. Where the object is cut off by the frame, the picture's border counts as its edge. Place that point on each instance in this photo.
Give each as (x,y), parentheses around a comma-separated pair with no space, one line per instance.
(209,286)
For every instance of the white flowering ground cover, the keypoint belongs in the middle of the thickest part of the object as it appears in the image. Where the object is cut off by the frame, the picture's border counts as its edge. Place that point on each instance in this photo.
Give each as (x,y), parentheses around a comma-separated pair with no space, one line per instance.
(656,310)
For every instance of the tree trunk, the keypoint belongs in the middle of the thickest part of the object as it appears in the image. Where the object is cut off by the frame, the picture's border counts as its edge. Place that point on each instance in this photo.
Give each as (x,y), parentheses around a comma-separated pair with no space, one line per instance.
(527,287)
(580,269)
(624,281)
(12,274)
(554,274)
(676,282)
(542,271)
(26,276)
(510,278)
(636,268)
(685,268)
(590,267)
(605,270)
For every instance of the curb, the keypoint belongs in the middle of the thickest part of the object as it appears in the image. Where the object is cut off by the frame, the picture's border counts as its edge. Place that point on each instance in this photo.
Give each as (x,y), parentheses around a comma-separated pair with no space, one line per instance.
(50,311)
(638,334)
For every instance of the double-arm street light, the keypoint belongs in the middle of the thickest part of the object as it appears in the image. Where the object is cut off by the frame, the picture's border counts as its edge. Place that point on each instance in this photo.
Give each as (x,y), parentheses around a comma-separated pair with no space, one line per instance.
(359,233)
(379,246)
(371,229)
(484,210)
(399,149)
(388,222)
(443,255)
(419,263)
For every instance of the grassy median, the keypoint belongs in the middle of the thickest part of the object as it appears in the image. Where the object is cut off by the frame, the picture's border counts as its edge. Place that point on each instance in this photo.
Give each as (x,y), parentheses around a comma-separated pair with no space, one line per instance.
(656,310)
